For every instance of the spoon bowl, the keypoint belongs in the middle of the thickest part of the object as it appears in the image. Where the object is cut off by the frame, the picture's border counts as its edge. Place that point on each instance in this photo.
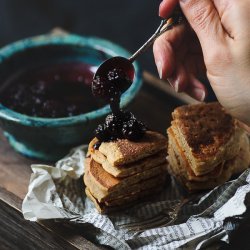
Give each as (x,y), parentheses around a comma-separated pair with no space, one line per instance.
(116,62)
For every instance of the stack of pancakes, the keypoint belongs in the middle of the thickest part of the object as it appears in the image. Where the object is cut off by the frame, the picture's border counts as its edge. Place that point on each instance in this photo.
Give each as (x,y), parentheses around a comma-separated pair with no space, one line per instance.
(206,147)
(121,172)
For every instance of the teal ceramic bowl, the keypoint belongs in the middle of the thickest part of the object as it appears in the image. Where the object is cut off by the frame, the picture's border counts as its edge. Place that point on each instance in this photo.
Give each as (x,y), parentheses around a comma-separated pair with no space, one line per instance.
(51,138)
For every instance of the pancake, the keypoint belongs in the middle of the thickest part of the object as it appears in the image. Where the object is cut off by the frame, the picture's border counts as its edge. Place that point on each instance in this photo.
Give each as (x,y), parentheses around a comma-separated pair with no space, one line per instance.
(102,195)
(135,196)
(102,209)
(130,168)
(230,167)
(123,151)
(206,134)
(119,205)
(176,152)
(122,172)
(108,183)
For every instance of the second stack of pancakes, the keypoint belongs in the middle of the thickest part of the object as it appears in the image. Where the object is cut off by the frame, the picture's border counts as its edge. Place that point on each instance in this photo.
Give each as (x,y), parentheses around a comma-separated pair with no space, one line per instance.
(121,172)
(206,146)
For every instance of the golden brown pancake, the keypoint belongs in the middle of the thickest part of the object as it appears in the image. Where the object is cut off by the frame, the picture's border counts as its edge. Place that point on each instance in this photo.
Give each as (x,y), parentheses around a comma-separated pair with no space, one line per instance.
(102,195)
(206,134)
(137,195)
(122,172)
(130,168)
(102,209)
(230,167)
(123,151)
(109,183)
(120,204)
(175,151)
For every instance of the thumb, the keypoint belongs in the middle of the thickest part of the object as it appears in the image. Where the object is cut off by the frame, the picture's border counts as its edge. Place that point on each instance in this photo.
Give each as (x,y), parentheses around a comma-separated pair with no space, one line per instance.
(205,21)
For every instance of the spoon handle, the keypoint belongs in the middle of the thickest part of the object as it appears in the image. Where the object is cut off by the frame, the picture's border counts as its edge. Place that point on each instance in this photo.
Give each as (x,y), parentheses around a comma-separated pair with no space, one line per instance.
(177,18)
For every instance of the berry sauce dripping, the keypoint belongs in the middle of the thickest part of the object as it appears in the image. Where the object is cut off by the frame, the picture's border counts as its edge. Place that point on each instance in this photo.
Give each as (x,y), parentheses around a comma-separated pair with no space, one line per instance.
(52,91)
(119,124)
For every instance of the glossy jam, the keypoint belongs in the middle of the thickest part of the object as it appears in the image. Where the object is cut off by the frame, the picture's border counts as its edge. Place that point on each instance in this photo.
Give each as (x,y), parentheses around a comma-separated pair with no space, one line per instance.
(52,91)
(119,124)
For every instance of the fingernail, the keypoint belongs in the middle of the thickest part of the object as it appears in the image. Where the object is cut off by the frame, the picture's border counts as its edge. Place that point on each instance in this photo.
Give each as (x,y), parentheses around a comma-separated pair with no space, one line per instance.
(174,83)
(160,6)
(176,86)
(199,94)
(159,68)
(161,3)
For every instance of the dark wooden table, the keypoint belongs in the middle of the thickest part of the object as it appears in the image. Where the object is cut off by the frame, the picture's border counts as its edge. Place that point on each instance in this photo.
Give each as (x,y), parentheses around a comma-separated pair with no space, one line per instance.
(154,104)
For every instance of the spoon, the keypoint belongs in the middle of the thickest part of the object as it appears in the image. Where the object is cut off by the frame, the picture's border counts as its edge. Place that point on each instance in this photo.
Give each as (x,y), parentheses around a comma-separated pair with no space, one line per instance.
(126,65)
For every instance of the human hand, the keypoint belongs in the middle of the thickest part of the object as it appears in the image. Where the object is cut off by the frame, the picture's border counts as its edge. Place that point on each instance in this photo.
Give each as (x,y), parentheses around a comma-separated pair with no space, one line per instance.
(216,44)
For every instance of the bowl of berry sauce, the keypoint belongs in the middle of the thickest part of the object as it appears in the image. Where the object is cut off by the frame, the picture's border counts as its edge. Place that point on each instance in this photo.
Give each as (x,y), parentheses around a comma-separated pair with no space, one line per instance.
(46,102)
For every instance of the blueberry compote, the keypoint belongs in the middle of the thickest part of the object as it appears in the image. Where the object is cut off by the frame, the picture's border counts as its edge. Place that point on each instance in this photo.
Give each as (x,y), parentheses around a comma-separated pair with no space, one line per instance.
(52,91)
(119,124)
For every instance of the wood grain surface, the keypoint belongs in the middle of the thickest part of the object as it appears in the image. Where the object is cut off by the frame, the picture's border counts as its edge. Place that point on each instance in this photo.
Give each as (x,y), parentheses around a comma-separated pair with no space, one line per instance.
(15,171)
(14,234)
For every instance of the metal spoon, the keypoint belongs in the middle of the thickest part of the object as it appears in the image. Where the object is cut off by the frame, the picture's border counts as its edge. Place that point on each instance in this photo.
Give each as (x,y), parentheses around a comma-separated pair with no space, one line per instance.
(127,64)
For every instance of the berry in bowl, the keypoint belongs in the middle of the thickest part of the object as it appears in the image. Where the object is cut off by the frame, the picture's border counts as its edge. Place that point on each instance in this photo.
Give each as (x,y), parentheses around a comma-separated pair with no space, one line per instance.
(51,91)
(46,101)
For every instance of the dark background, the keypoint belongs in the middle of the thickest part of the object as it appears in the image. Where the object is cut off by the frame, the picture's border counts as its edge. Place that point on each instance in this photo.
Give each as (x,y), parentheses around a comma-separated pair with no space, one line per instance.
(128,23)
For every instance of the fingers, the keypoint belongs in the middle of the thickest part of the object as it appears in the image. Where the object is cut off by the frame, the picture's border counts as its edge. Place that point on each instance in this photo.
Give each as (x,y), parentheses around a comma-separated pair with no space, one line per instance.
(164,48)
(167,7)
(194,65)
(169,49)
(196,89)
(180,79)
(184,80)
(164,58)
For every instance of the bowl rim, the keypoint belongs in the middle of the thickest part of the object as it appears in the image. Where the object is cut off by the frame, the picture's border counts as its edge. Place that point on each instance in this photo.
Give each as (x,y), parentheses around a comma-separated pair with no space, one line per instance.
(108,47)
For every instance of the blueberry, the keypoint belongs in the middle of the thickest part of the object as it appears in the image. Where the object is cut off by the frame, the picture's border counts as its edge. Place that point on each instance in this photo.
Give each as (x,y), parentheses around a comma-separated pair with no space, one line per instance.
(113,124)
(115,74)
(113,92)
(127,116)
(40,88)
(120,78)
(37,100)
(133,130)
(99,88)
(114,118)
(53,109)
(102,133)
(125,125)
